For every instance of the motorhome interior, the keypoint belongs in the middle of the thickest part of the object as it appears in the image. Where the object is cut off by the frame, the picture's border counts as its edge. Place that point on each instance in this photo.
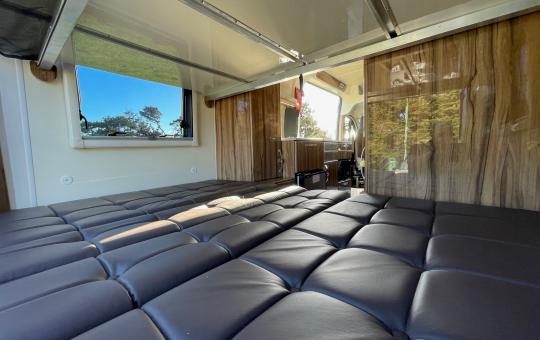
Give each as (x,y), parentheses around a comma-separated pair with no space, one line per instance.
(270,169)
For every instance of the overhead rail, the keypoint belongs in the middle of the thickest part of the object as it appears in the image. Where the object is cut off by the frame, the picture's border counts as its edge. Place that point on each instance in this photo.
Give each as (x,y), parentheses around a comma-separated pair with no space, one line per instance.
(385,17)
(235,24)
(466,21)
(62,25)
(155,53)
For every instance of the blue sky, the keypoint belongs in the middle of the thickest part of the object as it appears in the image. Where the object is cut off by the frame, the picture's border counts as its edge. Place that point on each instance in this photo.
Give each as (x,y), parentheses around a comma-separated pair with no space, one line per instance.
(110,94)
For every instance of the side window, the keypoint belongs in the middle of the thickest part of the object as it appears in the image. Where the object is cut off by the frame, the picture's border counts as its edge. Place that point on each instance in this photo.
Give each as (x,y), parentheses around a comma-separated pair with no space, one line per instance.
(129,95)
(320,113)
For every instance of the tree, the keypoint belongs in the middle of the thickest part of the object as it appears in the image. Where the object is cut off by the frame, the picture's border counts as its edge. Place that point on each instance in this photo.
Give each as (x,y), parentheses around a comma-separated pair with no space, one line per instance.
(145,123)
(308,124)
(176,126)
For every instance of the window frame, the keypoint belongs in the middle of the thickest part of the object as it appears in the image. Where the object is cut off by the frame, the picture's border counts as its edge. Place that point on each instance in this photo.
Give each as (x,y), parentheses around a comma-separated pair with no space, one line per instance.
(77,141)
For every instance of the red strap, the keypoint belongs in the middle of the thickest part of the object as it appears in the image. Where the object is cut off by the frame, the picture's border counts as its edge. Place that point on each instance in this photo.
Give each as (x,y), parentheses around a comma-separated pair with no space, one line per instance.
(298,95)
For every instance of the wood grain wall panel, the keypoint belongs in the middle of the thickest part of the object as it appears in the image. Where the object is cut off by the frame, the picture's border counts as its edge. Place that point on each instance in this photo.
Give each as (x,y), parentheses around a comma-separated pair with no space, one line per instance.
(288,150)
(233,138)
(266,131)
(248,135)
(309,155)
(243,139)
(458,119)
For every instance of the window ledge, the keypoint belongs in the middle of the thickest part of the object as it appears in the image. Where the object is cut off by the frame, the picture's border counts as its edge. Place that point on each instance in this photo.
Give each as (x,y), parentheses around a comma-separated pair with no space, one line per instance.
(123,142)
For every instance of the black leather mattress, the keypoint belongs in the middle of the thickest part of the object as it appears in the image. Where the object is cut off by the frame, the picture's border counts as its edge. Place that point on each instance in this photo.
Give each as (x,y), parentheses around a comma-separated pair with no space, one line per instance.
(196,261)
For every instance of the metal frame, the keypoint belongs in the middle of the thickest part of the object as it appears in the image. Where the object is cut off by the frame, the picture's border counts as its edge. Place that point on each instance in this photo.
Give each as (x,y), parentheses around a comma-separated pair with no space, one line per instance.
(155,53)
(385,17)
(481,17)
(62,25)
(235,24)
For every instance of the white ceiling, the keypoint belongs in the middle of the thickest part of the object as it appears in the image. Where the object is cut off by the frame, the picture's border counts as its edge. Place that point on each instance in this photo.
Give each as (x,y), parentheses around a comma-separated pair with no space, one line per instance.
(304,25)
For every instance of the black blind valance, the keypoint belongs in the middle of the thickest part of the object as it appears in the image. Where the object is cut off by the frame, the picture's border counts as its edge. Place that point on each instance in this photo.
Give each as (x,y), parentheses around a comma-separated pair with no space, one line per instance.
(24,25)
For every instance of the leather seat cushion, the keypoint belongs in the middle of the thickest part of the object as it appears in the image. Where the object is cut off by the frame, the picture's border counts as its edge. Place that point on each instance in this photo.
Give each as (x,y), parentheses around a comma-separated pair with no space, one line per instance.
(218,304)
(376,283)
(74,312)
(472,307)
(134,324)
(404,243)
(313,316)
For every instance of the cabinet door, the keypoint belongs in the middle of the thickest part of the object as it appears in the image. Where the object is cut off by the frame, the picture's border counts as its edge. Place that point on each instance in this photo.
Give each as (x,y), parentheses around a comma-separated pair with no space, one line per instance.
(266,132)
(309,155)
(233,138)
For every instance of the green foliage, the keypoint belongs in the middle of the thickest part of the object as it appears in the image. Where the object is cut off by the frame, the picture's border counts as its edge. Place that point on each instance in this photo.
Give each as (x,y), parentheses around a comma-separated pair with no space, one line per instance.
(308,124)
(145,123)
(387,125)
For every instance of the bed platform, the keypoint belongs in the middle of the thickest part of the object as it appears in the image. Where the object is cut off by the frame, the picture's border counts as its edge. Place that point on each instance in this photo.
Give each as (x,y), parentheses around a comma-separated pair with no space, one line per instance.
(196,261)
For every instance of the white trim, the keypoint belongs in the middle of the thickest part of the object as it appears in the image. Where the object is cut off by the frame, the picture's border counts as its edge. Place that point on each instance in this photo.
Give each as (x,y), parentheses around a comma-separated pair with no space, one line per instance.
(77,141)
(15,136)
(60,30)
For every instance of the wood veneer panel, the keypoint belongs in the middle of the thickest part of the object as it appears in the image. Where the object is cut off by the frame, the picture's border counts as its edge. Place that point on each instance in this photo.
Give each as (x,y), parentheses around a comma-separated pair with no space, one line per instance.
(266,132)
(458,119)
(309,155)
(248,135)
(234,139)
(288,150)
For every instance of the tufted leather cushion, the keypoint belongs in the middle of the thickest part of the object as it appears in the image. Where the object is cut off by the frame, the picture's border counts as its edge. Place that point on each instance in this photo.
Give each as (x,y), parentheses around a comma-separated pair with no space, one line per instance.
(118,261)
(358,211)
(49,281)
(291,255)
(29,223)
(404,217)
(488,228)
(498,259)
(377,283)
(132,233)
(221,302)
(33,260)
(312,316)
(27,235)
(157,274)
(76,310)
(337,229)
(295,263)
(25,214)
(131,325)
(71,236)
(65,208)
(407,244)
(454,305)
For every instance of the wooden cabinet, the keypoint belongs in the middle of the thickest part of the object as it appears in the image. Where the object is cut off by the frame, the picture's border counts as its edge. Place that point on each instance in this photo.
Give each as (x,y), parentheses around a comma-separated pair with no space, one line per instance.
(304,155)
(248,135)
(301,155)
(309,155)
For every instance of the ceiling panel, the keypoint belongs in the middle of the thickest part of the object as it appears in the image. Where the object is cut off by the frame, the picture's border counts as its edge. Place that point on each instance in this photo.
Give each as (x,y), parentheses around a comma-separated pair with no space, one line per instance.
(410,10)
(303,25)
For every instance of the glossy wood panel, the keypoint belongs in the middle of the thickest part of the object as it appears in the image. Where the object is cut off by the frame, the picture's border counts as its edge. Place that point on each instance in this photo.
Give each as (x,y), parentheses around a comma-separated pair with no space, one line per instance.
(288,150)
(248,135)
(266,132)
(233,138)
(309,155)
(458,119)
